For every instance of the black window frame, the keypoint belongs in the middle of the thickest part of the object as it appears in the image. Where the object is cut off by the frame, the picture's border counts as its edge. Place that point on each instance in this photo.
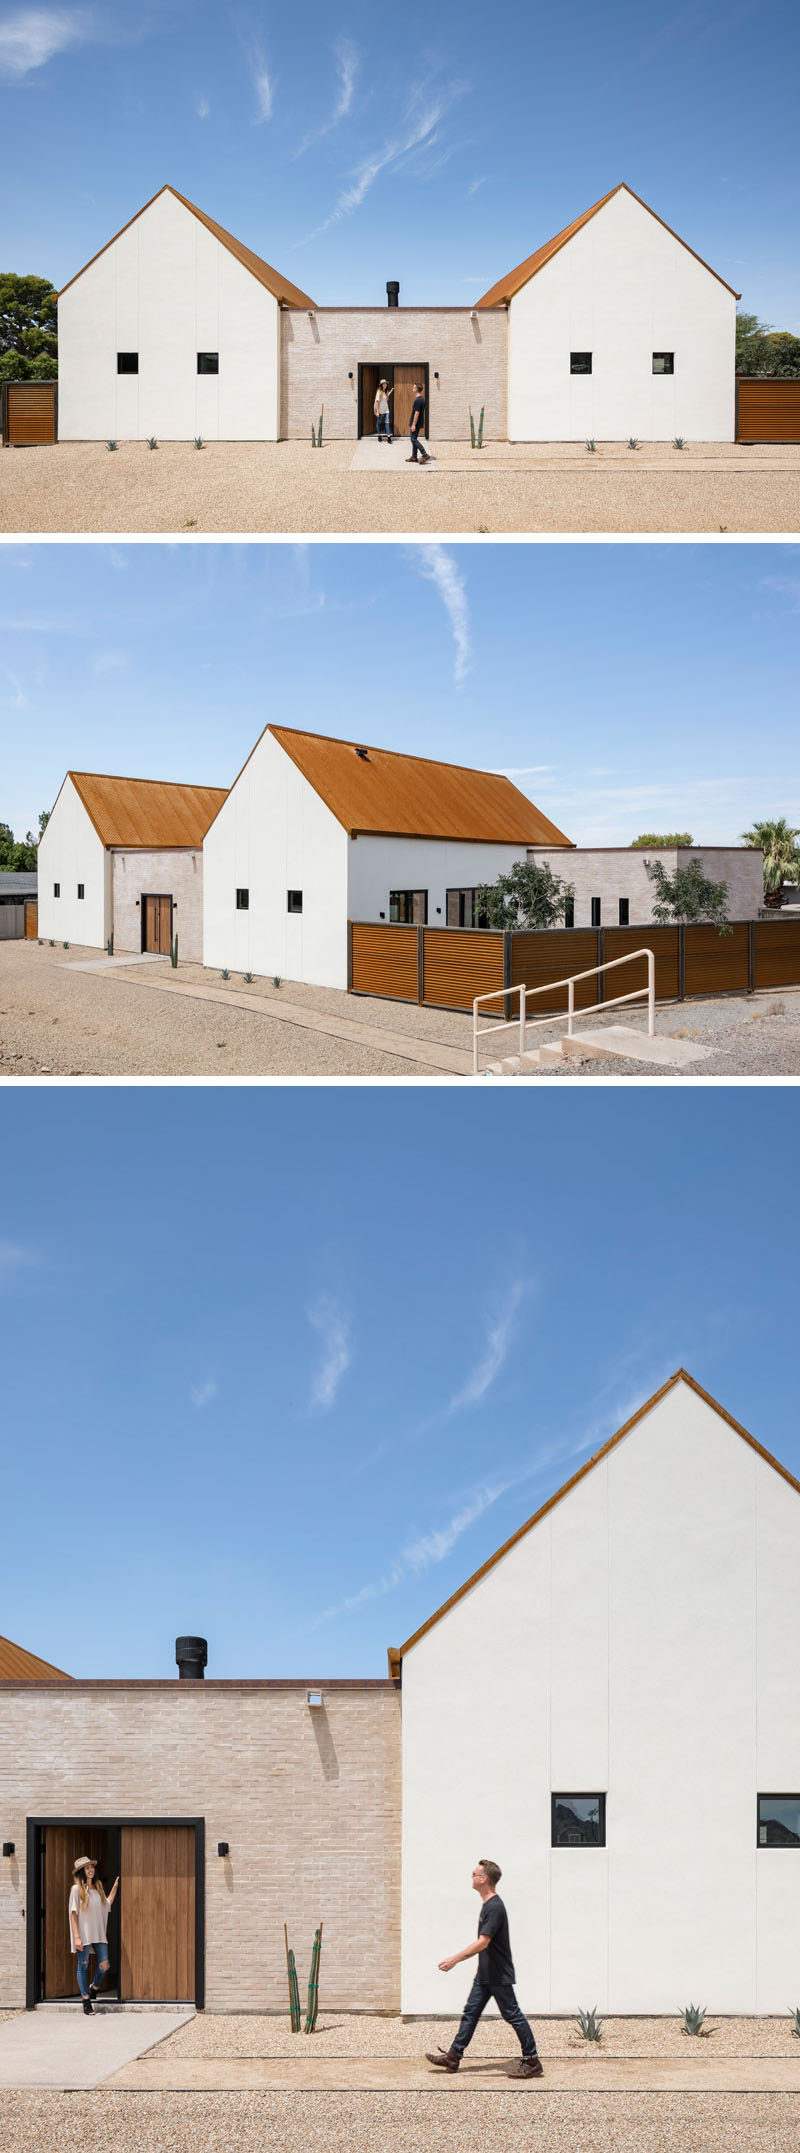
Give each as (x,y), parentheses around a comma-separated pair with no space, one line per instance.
(56,889)
(597,911)
(205,369)
(243,900)
(295,909)
(764,1846)
(81,891)
(394,894)
(576,356)
(670,369)
(569,912)
(124,359)
(592,1795)
(624,906)
(462,890)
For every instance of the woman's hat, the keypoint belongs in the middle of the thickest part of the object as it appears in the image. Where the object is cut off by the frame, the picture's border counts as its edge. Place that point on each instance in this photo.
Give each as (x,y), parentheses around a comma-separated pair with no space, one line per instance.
(83,1862)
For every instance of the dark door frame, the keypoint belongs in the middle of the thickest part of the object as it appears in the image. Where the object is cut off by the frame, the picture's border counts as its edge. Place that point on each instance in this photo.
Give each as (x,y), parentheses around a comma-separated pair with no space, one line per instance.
(387,367)
(35,1826)
(160,894)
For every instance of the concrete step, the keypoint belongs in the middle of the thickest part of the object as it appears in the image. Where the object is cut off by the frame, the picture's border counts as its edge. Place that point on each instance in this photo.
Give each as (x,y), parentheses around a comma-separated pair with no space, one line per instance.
(620,1040)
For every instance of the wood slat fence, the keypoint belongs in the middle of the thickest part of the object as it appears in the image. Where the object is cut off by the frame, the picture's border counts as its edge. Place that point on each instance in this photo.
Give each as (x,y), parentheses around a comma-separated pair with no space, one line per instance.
(446,967)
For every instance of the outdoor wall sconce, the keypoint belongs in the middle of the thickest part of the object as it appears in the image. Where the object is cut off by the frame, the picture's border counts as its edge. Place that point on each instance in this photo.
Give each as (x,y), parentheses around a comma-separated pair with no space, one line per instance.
(310,313)
(314,1698)
(222,1846)
(435,376)
(383,915)
(439,908)
(8,1846)
(350,375)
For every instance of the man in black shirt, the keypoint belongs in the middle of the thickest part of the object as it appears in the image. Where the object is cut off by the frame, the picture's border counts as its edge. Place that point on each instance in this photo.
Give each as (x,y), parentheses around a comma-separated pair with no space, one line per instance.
(494,1978)
(418,426)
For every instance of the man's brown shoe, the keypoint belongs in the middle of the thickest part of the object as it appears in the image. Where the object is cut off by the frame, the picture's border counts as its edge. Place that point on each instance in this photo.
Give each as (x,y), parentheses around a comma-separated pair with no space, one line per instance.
(447,2059)
(528,2067)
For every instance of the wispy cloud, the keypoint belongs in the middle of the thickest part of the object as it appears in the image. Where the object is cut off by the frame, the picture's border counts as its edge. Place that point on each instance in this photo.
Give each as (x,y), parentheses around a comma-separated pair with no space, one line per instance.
(202,1393)
(328,1319)
(421,128)
(110,661)
(347,64)
(15,1257)
(495,1350)
(439,568)
(34,35)
(475,184)
(420,1554)
(262,80)
(202,108)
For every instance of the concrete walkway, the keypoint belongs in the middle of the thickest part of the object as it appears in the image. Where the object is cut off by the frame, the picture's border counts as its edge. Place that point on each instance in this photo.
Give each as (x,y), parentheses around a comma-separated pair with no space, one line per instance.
(374,455)
(66,2050)
(697,2073)
(109,964)
(450,1061)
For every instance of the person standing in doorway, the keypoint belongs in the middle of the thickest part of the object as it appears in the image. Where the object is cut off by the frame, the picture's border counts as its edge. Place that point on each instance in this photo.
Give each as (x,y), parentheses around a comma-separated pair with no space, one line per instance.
(494,1979)
(88,1921)
(383,420)
(418,426)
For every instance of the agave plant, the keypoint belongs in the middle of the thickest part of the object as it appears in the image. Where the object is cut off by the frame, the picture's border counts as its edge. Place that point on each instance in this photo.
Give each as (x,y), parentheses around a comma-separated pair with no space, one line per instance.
(795,2019)
(225,974)
(678,442)
(591,446)
(65,945)
(632,441)
(112,444)
(152,442)
(590,2025)
(276,981)
(248,979)
(693,2017)
(199,442)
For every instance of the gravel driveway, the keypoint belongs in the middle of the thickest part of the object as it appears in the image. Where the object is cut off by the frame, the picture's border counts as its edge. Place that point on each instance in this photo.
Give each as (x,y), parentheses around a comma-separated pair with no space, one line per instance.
(288,486)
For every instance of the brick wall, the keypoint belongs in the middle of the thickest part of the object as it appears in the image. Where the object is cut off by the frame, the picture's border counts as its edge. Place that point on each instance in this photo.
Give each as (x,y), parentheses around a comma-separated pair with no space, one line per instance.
(470,356)
(309,1801)
(174,874)
(614,872)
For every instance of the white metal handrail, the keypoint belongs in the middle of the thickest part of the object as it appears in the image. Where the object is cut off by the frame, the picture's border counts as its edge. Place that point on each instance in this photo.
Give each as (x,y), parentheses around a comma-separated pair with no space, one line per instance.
(509,1024)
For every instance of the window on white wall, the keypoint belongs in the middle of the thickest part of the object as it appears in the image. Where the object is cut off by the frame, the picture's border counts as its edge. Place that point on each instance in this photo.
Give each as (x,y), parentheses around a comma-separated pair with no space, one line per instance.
(624,911)
(779,1820)
(462,910)
(580,362)
(578,1820)
(80,889)
(569,912)
(408,908)
(127,362)
(596,911)
(56,889)
(208,362)
(243,900)
(294,900)
(663,362)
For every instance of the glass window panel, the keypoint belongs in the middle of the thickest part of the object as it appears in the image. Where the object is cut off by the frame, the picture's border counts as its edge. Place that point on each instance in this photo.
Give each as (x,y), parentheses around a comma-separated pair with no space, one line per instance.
(127,362)
(779,1820)
(663,362)
(578,1820)
(208,362)
(580,362)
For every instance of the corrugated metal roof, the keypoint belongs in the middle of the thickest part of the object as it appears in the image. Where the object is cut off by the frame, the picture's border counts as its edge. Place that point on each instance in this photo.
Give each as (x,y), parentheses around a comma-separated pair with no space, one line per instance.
(285,292)
(18,883)
(502,292)
(375,790)
(17,1665)
(143,814)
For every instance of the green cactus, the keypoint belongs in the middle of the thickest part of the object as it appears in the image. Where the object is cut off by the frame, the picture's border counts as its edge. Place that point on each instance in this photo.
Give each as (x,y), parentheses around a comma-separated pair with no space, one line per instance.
(679,442)
(199,442)
(471,426)
(480,428)
(152,442)
(316,432)
(248,979)
(590,2025)
(173,951)
(795,2019)
(591,446)
(693,2017)
(112,444)
(110,944)
(225,974)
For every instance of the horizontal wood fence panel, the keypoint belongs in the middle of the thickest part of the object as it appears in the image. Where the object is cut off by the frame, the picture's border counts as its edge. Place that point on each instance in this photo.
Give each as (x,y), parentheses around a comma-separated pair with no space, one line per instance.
(768,410)
(777,953)
(663,941)
(539,955)
(29,413)
(31,917)
(460,963)
(717,963)
(385,961)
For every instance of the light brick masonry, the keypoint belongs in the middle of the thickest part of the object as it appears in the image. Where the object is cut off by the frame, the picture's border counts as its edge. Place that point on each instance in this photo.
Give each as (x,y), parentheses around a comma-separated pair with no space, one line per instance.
(615,872)
(469,352)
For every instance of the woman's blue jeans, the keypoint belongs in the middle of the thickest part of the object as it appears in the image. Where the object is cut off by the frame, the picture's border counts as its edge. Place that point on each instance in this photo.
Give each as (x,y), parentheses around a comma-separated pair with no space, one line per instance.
(101,1969)
(383,420)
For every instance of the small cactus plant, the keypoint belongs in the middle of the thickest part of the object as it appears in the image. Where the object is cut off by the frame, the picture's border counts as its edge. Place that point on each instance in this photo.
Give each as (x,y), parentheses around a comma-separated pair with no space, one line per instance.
(52,942)
(225,974)
(316,433)
(591,446)
(41,941)
(276,981)
(476,434)
(590,2025)
(795,2020)
(152,442)
(248,979)
(112,444)
(693,2017)
(632,441)
(199,442)
(678,442)
(110,944)
(173,951)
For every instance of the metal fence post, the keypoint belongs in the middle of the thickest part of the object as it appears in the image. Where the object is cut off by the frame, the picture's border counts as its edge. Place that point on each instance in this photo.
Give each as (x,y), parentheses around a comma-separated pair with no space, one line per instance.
(601,952)
(681,964)
(508,945)
(420,964)
(349,956)
(751,957)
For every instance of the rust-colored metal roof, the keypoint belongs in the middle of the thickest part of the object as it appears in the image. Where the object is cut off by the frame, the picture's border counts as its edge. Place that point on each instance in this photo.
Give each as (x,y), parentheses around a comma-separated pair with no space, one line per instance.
(396,1652)
(376,791)
(505,290)
(17,1665)
(145,815)
(281,288)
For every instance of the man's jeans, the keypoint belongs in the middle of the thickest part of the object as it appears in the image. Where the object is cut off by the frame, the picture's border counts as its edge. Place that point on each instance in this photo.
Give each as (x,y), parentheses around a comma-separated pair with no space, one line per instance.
(417,446)
(480,1994)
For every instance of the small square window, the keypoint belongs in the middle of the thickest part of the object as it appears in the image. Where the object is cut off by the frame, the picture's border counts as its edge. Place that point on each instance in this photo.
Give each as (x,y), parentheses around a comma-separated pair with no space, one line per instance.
(624,911)
(80,889)
(779,1820)
(127,362)
(208,362)
(243,900)
(580,362)
(596,911)
(577,1820)
(663,362)
(56,889)
(294,900)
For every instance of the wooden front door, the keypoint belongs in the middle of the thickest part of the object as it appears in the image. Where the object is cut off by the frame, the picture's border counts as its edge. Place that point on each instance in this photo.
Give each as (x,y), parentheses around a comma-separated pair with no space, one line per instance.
(62,1845)
(157,1894)
(157,925)
(404,379)
(31,918)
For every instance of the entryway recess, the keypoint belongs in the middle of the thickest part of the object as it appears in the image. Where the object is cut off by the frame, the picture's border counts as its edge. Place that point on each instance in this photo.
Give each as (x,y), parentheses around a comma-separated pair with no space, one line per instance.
(156,1925)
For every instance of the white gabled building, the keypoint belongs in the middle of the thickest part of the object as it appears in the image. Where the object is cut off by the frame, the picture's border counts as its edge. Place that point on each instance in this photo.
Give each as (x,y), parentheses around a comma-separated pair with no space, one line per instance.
(124,856)
(610,1708)
(317,831)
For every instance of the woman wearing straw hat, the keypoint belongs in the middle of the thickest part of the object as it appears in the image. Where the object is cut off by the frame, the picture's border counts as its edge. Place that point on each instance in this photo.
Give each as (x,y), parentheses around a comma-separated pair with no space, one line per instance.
(88,1920)
(383,417)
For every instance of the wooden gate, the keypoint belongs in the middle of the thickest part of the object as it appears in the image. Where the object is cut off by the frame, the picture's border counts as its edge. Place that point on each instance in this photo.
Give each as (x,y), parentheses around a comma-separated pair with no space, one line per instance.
(157,925)
(31,918)
(29,413)
(62,1845)
(767,409)
(157,1867)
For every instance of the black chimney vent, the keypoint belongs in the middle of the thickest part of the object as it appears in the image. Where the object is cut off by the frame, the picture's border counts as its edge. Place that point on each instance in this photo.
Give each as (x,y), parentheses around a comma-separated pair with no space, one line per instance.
(191,1654)
(393,295)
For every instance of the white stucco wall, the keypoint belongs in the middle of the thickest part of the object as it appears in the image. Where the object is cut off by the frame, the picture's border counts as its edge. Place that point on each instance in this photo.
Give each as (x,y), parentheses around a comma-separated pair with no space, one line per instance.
(377,865)
(177,874)
(640,1641)
(622,288)
(71,852)
(612,872)
(168,289)
(272,835)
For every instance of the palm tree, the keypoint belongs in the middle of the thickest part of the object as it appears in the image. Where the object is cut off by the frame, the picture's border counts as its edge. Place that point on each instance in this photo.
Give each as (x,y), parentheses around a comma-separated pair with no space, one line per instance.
(781,859)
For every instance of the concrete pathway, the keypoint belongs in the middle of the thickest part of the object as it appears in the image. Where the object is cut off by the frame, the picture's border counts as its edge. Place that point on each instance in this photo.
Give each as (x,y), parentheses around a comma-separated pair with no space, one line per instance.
(66,2050)
(451,1061)
(108,964)
(697,2073)
(374,455)
(634,1046)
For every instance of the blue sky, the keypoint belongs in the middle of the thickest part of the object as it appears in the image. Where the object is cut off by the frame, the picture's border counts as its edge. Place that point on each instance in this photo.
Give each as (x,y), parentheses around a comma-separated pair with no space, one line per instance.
(315,1354)
(436,146)
(624,687)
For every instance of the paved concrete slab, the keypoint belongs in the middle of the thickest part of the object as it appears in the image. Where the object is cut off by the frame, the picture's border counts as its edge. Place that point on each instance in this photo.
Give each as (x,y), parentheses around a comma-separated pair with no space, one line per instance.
(636,1047)
(66,2051)
(109,964)
(696,2073)
(374,455)
(451,1061)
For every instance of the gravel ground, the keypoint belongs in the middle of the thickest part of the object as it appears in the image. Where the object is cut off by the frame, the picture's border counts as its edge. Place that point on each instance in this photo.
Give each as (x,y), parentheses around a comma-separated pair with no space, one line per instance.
(287,486)
(349,2034)
(749,1035)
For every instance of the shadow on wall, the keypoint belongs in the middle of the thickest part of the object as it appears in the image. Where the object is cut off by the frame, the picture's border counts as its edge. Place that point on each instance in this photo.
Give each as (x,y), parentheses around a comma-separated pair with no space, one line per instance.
(325,1744)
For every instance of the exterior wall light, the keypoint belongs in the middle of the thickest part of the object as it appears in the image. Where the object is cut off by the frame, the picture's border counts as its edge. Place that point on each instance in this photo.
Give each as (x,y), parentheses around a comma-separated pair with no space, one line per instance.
(222,1846)
(435,375)
(8,1847)
(350,375)
(314,1698)
(310,313)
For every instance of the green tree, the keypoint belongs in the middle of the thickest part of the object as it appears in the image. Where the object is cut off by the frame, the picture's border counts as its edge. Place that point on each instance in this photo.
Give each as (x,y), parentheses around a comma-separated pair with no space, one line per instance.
(688,896)
(781,857)
(528,896)
(762,350)
(18,855)
(673,837)
(28,329)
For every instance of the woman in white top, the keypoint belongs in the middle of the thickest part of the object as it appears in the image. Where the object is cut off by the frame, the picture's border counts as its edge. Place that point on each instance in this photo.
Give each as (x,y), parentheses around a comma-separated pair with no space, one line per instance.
(88,1920)
(383,422)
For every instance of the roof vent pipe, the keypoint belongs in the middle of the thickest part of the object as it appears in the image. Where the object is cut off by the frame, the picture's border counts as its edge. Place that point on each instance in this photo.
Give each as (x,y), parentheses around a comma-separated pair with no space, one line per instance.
(191,1654)
(392,295)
